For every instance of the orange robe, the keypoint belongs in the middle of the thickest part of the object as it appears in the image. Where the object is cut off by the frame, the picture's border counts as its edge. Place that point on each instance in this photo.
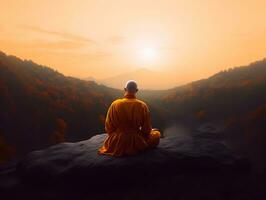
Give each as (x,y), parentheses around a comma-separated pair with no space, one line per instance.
(129,129)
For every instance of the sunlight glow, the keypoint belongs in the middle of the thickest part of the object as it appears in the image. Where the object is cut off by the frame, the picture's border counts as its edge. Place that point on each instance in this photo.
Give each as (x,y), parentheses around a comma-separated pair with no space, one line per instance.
(148,54)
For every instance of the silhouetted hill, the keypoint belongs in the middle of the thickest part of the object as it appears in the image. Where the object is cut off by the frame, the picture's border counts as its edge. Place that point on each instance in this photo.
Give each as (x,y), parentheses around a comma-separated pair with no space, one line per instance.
(229,93)
(39,106)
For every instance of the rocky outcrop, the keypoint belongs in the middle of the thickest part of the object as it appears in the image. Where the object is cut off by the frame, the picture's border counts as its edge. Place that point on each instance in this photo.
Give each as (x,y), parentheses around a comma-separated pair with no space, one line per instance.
(179,168)
(70,161)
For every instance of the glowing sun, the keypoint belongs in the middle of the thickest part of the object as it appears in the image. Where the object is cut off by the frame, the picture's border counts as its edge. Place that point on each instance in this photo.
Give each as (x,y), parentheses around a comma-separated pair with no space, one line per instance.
(148,54)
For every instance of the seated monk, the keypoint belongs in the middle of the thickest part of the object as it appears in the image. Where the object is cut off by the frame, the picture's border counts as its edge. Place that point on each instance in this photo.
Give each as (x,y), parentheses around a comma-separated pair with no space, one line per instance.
(128,125)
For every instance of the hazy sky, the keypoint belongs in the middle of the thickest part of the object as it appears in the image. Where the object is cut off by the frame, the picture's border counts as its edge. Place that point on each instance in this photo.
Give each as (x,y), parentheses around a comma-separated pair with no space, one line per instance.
(101,38)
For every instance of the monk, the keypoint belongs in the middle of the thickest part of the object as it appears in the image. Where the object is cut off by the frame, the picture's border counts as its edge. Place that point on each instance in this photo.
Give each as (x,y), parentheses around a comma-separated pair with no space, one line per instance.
(128,125)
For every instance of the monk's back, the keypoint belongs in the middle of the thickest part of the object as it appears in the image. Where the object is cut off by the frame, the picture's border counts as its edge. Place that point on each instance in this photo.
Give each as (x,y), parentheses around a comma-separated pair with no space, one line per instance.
(129,113)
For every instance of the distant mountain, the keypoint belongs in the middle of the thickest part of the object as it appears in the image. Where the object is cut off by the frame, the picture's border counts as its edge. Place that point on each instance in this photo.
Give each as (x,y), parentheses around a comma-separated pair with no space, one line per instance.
(90,78)
(147,79)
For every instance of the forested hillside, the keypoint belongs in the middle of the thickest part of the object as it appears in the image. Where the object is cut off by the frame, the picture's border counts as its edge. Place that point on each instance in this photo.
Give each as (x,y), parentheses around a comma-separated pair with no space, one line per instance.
(228,94)
(40,106)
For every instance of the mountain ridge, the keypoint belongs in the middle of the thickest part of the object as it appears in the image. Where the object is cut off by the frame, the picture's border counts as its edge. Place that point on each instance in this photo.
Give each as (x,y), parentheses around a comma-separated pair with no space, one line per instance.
(56,108)
(147,78)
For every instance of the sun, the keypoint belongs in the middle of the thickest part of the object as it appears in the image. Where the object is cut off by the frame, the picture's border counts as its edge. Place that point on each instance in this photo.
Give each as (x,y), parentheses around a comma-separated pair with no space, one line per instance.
(148,54)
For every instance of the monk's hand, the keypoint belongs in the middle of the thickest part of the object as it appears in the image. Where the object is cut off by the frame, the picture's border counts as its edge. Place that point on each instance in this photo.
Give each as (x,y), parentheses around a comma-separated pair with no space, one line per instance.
(161,133)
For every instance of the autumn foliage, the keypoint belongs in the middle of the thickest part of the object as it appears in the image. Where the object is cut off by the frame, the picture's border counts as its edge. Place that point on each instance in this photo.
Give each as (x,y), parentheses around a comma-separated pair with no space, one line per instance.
(39,106)
(59,134)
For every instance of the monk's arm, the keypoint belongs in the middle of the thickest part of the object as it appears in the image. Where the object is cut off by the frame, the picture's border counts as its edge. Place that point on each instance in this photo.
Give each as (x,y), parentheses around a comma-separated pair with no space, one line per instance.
(109,122)
(146,127)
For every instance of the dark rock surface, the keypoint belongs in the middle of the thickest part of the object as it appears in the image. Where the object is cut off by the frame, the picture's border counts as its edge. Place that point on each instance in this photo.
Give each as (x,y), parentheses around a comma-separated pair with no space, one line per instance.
(76,160)
(179,168)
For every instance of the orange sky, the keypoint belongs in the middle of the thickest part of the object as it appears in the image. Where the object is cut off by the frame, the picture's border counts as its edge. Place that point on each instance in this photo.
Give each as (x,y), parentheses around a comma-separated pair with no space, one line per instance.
(102,38)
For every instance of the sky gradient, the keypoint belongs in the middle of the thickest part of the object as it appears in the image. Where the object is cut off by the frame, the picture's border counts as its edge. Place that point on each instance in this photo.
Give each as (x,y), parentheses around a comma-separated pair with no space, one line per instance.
(103,38)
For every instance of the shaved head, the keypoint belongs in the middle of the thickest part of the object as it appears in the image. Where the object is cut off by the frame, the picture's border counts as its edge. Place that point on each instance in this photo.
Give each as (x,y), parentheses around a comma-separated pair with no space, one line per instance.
(131,86)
